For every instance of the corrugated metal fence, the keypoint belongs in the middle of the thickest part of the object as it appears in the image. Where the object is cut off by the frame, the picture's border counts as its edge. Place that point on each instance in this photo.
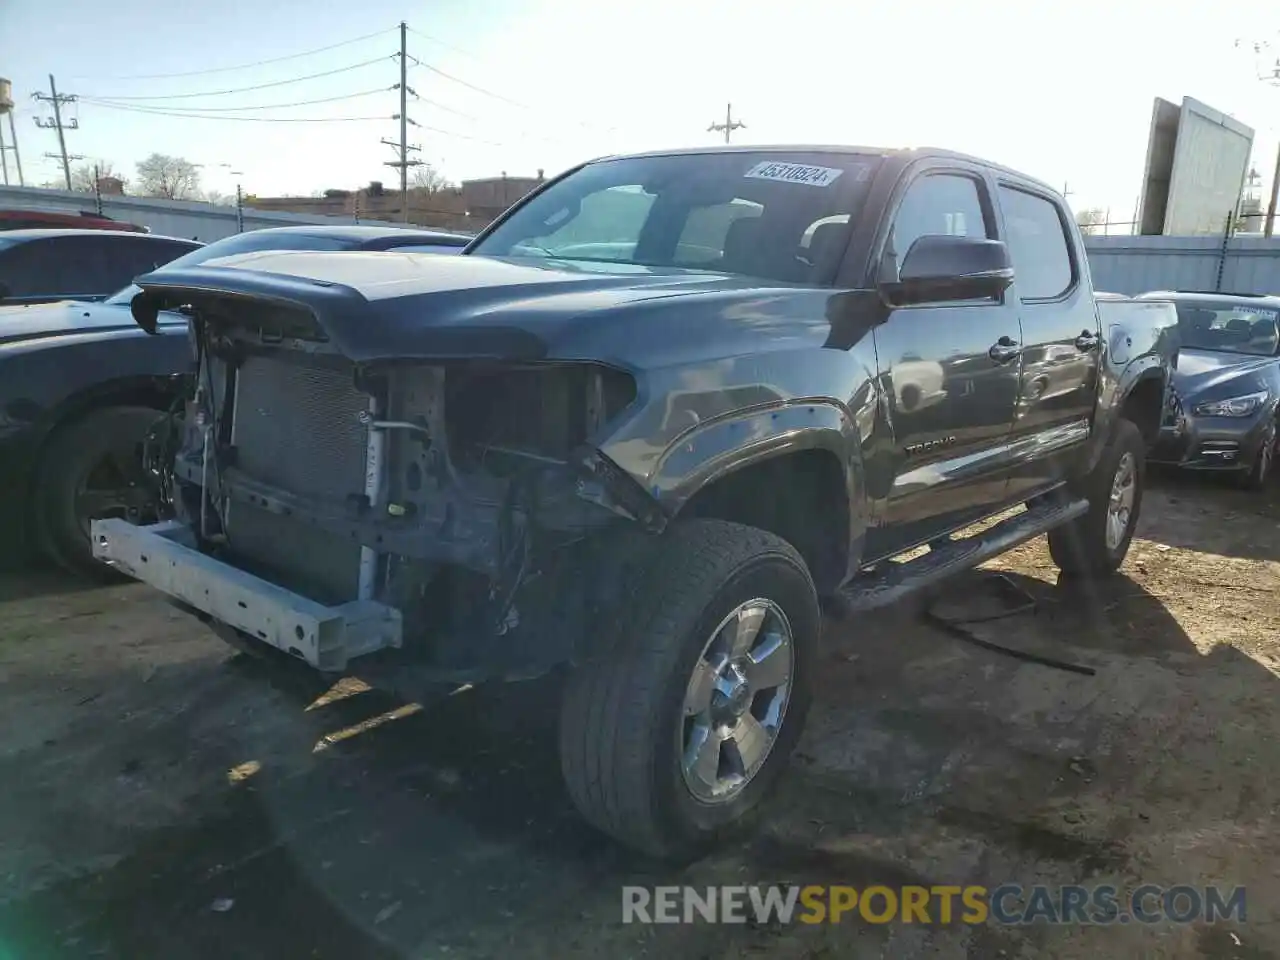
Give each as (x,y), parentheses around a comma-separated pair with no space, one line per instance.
(1134,265)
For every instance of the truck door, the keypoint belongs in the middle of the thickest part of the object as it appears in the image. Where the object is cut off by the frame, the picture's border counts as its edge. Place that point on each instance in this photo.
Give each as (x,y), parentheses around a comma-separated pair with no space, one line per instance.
(1057,389)
(948,373)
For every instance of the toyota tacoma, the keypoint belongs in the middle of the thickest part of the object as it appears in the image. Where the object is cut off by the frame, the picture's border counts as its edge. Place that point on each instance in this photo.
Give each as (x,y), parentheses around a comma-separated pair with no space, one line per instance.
(646,425)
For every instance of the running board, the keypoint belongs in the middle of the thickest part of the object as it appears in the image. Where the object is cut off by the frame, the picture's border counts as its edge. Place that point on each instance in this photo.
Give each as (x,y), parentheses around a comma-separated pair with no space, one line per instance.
(892,581)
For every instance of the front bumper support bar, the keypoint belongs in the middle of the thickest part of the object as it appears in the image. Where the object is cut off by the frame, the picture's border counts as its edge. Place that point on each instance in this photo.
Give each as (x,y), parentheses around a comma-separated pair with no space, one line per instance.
(163,555)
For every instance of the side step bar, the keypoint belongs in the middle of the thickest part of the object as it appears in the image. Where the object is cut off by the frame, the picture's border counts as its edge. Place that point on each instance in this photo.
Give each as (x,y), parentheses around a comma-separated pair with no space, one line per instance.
(893,581)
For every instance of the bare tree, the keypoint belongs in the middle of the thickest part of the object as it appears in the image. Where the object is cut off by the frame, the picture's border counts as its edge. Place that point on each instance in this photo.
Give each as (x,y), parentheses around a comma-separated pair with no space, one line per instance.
(218,198)
(429,180)
(1090,219)
(82,177)
(173,178)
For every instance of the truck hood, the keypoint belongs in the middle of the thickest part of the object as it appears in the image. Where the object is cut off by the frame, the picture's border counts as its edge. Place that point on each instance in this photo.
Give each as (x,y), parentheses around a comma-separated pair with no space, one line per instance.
(375,306)
(1197,371)
(63,317)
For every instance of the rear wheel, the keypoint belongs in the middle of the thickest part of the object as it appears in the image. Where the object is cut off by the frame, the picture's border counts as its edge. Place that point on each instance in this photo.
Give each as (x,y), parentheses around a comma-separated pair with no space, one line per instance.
(93,469)
(671,737)
(1096,543)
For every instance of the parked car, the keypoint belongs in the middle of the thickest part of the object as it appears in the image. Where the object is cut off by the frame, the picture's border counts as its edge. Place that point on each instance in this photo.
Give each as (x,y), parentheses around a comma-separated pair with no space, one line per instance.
(81,385)
(42,266)
(41,219)
(593,443)
(1226,386)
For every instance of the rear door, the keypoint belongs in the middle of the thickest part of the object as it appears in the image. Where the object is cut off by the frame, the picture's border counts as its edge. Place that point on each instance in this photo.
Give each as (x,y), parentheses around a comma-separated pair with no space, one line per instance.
(1058,382)
(947,372)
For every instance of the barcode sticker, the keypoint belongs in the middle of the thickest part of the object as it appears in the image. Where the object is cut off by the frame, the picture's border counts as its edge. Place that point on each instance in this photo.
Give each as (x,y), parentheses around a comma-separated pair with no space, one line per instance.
(794,173)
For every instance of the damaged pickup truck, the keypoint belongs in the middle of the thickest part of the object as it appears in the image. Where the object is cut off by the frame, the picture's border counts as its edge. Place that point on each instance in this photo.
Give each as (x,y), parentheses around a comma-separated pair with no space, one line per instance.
(639,432)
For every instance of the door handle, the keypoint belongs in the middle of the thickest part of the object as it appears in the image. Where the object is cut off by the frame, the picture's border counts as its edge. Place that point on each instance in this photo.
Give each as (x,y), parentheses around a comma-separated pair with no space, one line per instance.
(1004,350)
(1087,341)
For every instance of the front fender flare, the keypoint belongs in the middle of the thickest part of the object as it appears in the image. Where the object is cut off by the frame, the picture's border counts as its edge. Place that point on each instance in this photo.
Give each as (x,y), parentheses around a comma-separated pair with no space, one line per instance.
(717,448)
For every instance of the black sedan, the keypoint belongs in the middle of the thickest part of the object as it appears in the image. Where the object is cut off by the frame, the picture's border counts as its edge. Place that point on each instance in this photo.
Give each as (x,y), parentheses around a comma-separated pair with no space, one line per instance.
(82,387)
(41,266)
(1222,407)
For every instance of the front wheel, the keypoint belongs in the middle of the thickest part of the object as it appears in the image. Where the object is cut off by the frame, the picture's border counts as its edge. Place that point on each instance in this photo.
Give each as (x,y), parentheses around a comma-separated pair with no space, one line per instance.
(673,734)
(1259,474)
(93,469)
(1096,544)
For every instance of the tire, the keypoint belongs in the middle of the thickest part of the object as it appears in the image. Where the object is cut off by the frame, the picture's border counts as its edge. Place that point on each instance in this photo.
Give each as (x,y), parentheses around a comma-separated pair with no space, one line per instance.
(623,723)
(1082,548)
(1259,473)
(89,451)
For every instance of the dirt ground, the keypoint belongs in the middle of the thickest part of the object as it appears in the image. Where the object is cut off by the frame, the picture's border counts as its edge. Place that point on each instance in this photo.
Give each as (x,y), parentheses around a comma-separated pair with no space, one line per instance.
(160,797)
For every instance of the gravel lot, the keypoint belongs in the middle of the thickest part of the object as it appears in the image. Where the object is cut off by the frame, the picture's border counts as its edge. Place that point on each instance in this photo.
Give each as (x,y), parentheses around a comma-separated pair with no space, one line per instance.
(163,798)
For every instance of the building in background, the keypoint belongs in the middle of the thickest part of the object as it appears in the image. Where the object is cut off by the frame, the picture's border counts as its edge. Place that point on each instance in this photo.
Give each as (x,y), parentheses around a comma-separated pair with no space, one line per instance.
(1197,160)
(488,197)
(469,207)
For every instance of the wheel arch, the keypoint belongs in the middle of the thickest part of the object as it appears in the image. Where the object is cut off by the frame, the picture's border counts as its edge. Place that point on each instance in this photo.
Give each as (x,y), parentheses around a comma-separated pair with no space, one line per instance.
(794,470)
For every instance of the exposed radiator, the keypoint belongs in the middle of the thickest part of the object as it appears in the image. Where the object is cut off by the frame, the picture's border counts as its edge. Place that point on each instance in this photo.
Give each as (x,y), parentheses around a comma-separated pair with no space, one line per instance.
(296,428)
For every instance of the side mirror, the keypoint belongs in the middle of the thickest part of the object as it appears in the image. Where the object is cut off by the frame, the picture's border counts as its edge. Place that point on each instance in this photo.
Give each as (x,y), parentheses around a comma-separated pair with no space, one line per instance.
(938,269)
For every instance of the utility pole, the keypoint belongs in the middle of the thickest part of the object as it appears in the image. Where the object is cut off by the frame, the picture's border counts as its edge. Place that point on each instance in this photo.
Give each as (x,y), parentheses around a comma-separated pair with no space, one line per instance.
(1269,73)
(46,123)
(402,148)
(729,124)
(1269,227)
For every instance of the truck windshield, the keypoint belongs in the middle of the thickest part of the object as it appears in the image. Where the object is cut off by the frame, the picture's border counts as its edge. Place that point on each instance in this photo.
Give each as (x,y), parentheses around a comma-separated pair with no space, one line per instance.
(1230,327)
(780,216)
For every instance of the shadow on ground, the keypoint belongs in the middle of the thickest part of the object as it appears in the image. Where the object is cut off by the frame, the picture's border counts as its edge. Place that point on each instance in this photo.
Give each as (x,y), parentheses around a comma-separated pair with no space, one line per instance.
(1209,512)
(927,761)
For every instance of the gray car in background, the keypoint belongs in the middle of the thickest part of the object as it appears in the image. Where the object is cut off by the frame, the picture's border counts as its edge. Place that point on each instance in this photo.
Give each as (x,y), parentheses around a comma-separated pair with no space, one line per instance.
(1221,414)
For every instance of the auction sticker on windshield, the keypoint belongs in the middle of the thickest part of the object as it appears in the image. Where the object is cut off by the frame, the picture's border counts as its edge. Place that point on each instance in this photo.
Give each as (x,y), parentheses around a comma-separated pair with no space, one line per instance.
(794,173)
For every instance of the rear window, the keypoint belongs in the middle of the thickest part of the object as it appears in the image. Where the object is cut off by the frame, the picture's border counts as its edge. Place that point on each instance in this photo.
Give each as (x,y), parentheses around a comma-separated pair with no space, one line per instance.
(1037,244)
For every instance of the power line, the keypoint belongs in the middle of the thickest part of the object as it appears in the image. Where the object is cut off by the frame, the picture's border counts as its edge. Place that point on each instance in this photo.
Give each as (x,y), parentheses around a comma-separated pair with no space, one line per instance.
(204,116)
(243,66)
(443,43)
(498,96)
(107,102)
(259,86)
(470,86)
(460,136)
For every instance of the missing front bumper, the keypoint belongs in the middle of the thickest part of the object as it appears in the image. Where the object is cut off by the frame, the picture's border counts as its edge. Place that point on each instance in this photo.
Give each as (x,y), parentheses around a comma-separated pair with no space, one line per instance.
(163,556)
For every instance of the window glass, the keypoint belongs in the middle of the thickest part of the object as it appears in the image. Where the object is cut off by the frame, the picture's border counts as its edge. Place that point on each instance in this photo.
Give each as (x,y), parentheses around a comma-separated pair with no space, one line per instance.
(606,227)
(743,213)
(707,228)
(1230,327)
(1037,245)
(86,266)
(31,270)
(942,204)
(254,241)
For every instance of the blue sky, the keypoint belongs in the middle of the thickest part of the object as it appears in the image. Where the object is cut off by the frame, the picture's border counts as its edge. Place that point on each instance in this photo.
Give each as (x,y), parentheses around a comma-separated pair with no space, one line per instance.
(1060,89)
